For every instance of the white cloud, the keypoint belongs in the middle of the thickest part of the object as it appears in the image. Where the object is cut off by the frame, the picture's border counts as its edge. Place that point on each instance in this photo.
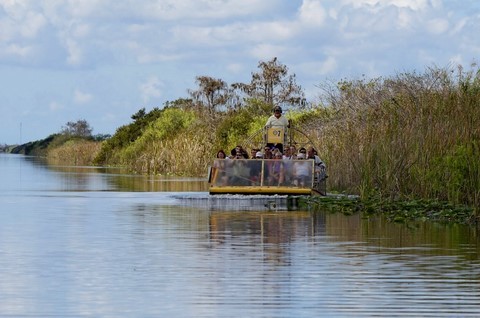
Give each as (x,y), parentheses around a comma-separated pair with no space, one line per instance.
(205,9)
(75,54)
(411,4)
(437,26)
(32,23)
(152,88)
(60,45)
(321,68)
(15,50)
(312,13)
(80,97)
(235,68)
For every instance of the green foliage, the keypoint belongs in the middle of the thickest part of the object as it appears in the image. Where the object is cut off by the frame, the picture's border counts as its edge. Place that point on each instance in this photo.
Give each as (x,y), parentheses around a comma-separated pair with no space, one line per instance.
(399,211)
(171,122)
(35,148)
(125,135)
(237,126)
(456,176)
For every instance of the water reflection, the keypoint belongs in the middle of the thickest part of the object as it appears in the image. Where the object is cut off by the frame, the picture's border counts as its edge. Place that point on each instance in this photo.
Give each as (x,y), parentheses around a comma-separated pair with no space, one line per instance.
(78,178)
(73,244)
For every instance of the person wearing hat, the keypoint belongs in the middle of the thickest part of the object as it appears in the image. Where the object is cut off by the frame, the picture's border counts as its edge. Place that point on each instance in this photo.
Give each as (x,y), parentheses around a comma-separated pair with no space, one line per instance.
(277,120)
(256,169)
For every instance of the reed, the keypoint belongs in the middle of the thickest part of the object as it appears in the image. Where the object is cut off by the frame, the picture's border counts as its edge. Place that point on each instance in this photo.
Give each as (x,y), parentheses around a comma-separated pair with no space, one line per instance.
(77,152)
(414,136)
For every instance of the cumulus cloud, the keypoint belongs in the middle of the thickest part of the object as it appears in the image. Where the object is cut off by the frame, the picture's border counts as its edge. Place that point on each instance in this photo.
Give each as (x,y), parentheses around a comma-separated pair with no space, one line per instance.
(133,48)
(151,88)
(411,4)
(437,26)
(311,13)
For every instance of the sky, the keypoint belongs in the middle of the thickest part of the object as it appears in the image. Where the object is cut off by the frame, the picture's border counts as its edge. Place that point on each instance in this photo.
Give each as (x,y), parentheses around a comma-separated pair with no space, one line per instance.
(103,60)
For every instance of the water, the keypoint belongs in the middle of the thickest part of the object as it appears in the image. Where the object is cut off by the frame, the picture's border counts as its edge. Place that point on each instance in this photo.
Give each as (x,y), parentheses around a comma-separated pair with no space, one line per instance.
(78,242)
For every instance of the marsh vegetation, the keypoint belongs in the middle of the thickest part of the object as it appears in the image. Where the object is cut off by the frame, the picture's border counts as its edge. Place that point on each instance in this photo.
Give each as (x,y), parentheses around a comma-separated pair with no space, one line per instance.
(412,136)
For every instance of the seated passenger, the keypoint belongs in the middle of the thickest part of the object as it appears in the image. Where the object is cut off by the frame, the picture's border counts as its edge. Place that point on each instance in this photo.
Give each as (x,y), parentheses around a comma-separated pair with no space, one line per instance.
(241,171)
(268,153)
(301,171)
(276,174)
(253,153)
(319,164)
(256,169)
(219,175)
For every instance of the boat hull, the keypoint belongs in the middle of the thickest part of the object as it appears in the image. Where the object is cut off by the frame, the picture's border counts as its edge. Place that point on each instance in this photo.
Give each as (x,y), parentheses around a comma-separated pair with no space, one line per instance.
(266,177)
(251,190)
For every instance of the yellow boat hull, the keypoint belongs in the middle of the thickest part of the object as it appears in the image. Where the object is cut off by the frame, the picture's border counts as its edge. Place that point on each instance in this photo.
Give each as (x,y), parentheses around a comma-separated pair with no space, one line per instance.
(260,190)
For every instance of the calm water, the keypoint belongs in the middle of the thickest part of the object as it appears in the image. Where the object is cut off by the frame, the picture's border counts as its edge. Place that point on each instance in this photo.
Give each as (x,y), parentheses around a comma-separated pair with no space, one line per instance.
(92,242)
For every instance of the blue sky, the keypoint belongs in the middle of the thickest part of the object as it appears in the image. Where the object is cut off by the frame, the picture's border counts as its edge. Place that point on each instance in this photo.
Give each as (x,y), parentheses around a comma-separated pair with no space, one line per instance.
(103,60)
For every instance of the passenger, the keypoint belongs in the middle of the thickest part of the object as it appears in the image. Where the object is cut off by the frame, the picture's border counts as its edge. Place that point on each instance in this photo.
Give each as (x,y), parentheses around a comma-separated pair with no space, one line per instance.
(293,151)
(277,171)
(289,175)
(239,149)
(287,155)
(253,152)
(233,153)
(256,169)
(301,171)
(319,164)
(275,151)
(221,154)
(219,175)
(241,171)
(267,153)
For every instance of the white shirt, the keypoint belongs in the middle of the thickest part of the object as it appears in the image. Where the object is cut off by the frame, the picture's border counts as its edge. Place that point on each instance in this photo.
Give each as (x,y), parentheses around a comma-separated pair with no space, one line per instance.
(273,121)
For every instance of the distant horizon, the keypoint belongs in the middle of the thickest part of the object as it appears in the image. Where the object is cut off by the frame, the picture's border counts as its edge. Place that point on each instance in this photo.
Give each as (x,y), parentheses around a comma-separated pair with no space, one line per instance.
(102,61)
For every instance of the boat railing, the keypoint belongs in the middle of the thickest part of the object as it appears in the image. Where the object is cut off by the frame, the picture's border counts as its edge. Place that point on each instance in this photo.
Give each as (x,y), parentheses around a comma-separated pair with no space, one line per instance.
(263,173)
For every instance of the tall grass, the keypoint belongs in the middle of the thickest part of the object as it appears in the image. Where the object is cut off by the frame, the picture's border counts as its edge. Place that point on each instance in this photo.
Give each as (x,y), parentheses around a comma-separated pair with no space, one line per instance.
(408,136)
(77,152)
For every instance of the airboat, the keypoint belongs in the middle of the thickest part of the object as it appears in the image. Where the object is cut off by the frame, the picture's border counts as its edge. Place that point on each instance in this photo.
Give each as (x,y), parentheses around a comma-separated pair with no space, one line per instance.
(269,176)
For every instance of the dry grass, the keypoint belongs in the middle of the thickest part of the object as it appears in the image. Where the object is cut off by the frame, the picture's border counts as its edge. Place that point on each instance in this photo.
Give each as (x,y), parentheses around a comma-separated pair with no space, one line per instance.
(74,152)
(413,135)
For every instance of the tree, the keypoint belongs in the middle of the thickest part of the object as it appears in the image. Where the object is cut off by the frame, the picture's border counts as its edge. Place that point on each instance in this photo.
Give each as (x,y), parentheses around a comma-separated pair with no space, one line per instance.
(273,85)
(212,93)
(81,128)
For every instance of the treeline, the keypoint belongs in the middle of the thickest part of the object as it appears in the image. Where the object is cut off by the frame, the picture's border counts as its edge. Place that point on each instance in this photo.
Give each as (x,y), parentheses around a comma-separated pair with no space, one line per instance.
(74,144)
(412,135)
